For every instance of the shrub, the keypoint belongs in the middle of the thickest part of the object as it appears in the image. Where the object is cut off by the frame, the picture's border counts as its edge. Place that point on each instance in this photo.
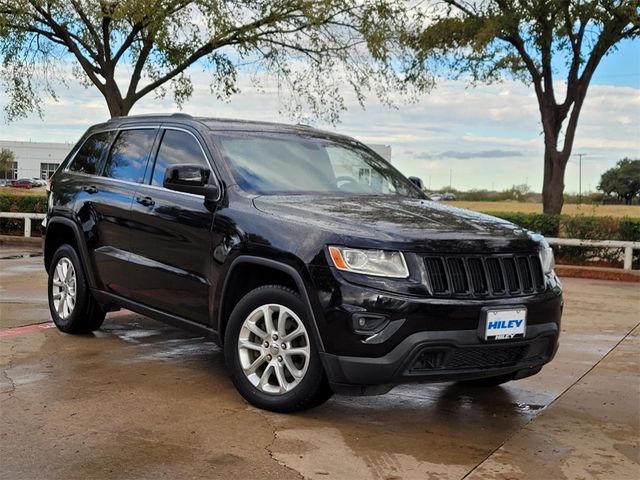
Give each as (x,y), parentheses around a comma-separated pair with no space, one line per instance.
(547,225)
(21,203)
(630,229)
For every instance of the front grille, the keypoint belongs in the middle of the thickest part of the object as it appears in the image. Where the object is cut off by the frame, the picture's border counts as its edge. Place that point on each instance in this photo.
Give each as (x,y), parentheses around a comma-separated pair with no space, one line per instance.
(497,356)
(490,275)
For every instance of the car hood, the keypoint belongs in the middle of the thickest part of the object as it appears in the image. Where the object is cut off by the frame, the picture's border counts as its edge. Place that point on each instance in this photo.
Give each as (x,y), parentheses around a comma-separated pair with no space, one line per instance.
(385,220)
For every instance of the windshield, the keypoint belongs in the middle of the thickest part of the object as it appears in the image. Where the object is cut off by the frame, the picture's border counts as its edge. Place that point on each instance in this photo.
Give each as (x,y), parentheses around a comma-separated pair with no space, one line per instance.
(272,164)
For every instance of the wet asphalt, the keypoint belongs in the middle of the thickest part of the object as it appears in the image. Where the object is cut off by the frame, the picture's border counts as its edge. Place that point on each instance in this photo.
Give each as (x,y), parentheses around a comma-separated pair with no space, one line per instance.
(140,399)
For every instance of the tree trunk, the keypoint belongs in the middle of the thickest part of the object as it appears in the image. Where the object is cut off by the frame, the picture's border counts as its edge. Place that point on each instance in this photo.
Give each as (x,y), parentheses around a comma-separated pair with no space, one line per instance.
(553,188)
(114,99)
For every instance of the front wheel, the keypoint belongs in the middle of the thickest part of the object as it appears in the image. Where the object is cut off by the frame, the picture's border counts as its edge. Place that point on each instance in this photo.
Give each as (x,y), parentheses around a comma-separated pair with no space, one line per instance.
(72,307)
(271,352)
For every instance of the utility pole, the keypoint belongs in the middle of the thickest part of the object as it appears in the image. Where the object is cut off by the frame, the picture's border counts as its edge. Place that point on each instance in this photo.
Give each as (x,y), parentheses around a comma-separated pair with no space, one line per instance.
(450,178)
(580,155)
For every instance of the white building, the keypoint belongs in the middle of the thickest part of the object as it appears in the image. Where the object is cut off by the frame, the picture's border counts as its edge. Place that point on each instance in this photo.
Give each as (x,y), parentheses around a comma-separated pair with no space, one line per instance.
(34,159)
(40,159)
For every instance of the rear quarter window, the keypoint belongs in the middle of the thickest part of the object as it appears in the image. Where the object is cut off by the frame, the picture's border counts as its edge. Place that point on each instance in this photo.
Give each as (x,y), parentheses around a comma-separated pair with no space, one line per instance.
(88,158)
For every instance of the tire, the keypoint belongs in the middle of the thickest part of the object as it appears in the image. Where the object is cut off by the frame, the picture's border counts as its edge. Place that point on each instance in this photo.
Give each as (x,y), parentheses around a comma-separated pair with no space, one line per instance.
(268,375)
(73,308)
(489,381)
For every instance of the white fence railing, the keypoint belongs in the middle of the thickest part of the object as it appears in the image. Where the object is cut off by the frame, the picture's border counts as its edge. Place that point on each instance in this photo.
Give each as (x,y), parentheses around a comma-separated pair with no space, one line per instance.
(628,247)
(27,217)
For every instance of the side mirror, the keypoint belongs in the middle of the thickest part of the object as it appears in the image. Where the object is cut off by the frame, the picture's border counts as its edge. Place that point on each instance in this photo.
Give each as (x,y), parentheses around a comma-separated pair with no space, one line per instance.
(189,178)
(417,181)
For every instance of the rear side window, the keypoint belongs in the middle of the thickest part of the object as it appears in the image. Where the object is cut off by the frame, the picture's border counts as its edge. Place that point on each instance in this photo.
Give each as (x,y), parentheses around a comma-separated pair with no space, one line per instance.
(177,147)
(87,160)
(127,159)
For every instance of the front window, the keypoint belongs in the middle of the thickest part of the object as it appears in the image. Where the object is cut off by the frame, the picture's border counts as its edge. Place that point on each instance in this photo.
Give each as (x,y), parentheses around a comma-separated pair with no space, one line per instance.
(294,164)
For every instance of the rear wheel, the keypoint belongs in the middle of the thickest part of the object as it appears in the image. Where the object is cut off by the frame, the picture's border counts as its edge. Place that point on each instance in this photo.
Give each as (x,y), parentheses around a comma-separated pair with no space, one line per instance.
(272,354)
(73,308)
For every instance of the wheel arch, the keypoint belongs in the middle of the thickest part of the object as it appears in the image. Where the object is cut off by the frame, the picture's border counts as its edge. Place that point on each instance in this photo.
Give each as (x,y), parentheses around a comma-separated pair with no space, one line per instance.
(286,275)
(60,231)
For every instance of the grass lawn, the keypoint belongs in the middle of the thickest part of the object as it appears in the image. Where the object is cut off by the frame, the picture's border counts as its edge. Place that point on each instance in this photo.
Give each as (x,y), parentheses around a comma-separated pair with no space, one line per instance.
(30,192)
(568,209)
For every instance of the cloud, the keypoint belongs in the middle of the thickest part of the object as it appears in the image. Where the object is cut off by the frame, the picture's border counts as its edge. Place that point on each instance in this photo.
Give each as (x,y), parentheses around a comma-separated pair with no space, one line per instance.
(480,154)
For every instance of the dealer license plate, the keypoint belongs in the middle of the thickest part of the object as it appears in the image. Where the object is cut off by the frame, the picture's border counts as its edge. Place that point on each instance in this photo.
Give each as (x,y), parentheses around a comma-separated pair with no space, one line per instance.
(505,324)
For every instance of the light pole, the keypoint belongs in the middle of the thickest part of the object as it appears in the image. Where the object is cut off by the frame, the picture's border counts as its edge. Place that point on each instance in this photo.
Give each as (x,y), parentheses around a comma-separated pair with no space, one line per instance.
(580,155)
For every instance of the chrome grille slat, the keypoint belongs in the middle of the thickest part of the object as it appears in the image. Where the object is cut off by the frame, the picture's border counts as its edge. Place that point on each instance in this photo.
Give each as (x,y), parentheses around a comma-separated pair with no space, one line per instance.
(484,275)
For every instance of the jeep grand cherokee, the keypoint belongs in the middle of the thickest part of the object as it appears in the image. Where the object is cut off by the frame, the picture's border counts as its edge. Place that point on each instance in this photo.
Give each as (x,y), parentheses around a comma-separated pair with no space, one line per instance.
(312,261)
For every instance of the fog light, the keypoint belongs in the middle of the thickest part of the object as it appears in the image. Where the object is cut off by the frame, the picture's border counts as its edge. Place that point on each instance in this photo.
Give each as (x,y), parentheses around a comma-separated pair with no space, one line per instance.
(368,323)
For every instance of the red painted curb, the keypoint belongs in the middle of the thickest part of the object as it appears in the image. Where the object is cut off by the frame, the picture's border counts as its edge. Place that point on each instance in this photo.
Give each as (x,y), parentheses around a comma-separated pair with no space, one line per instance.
(9,332)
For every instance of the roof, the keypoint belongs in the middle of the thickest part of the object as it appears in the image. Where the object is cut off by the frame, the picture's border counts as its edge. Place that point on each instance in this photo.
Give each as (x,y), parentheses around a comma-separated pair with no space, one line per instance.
(213,123)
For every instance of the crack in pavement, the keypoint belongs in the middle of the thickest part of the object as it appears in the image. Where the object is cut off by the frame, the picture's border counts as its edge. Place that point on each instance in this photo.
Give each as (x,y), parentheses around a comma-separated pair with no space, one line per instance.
(12,388)
(269,450)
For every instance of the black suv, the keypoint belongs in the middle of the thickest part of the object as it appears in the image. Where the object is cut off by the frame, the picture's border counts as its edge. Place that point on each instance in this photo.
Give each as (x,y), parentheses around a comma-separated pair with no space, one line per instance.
(313,262)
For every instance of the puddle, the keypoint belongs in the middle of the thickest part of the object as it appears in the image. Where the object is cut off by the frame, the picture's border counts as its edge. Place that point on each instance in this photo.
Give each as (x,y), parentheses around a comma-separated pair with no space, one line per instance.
(528,407)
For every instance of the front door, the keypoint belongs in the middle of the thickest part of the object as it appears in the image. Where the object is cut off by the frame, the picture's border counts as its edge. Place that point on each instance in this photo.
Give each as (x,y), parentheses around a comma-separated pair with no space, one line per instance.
(171,235)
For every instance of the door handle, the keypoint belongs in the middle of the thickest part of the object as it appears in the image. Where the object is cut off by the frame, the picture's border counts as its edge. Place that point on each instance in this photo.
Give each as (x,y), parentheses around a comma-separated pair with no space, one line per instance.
(91,189)
(146,201)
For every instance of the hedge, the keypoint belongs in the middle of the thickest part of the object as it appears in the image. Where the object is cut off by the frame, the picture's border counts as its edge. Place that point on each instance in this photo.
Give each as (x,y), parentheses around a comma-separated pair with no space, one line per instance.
(578,226)
(20,203)
(583,227)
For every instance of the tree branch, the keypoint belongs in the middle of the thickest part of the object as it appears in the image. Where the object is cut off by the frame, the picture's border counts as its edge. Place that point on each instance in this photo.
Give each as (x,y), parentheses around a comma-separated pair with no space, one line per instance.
(62,33)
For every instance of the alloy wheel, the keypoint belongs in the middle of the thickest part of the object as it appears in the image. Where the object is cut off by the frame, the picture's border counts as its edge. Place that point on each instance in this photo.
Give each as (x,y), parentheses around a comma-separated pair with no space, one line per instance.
(274,349)
(64,288)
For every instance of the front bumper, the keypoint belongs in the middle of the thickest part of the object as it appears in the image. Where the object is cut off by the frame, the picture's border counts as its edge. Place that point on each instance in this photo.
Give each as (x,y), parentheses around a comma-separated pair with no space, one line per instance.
(443,356)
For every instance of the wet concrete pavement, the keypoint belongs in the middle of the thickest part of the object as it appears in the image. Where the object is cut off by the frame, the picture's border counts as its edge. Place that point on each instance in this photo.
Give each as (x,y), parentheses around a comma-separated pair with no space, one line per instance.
(140,399)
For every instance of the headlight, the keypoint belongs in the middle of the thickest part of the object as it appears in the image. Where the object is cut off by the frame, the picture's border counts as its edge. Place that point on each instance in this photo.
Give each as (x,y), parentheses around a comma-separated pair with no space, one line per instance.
(547,259)
(380,263)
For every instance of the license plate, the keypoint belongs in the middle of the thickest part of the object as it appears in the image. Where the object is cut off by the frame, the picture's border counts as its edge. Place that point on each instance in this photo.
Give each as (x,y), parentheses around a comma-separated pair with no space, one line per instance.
(505,324)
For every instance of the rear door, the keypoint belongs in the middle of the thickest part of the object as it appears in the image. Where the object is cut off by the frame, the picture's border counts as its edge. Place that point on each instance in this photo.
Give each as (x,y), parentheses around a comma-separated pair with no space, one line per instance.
(171,234)
(104,201)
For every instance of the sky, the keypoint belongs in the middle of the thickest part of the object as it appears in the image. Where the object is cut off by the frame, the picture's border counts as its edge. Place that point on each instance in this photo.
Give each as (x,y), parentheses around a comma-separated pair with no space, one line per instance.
(484,137)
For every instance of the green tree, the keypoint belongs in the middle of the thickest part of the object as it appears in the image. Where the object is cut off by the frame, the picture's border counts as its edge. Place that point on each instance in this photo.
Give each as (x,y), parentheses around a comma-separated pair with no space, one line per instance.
(622,180)
(530,40)
(127,49)
(6,163)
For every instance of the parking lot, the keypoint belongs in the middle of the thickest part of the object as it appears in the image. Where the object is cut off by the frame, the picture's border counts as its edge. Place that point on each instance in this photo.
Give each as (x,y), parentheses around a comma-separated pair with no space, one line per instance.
(140,399)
